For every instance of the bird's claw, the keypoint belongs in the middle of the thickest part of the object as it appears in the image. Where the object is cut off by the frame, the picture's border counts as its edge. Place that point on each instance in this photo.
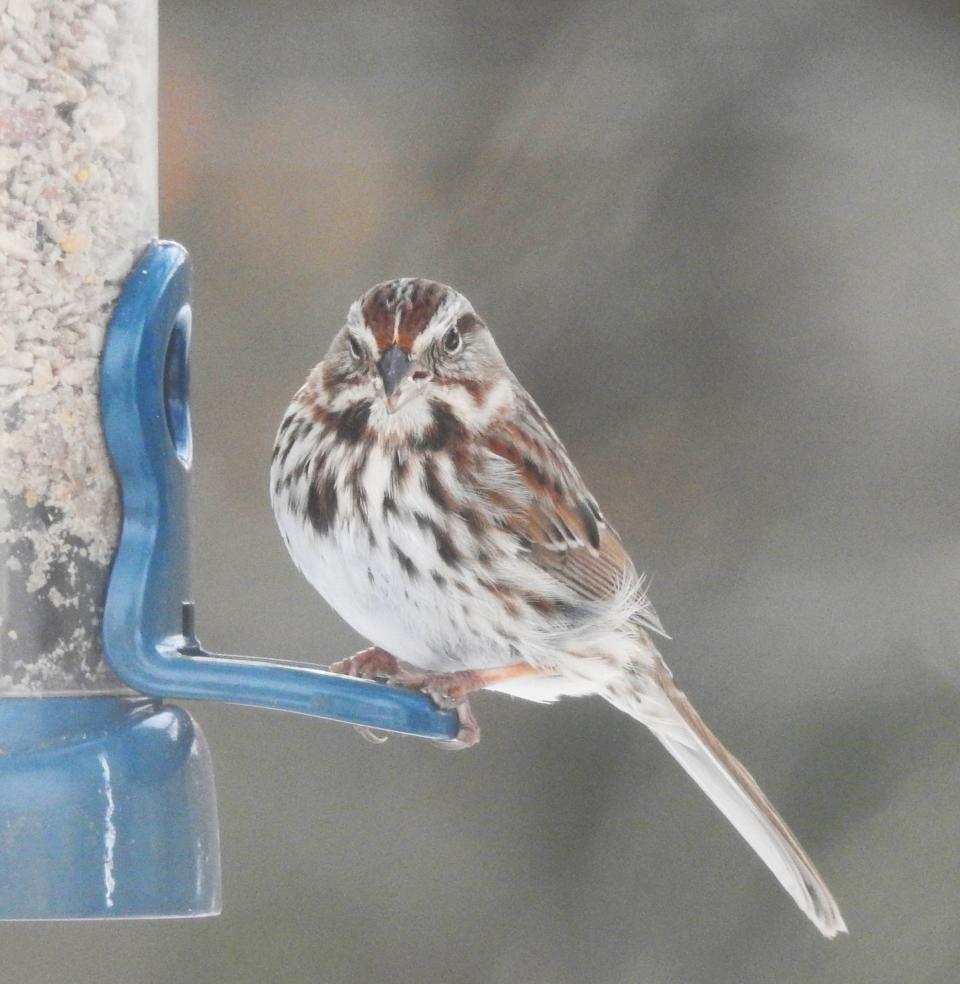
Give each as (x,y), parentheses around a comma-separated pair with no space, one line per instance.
(374,737)
(369,663)
(469,733)
(449,692)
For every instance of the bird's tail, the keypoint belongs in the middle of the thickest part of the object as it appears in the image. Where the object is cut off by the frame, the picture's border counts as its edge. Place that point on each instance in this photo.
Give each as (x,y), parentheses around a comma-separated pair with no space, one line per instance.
(651,696)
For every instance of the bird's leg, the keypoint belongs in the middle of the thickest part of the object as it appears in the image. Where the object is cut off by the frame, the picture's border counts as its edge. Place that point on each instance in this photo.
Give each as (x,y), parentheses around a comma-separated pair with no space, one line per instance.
(450,691)
(447,690)
(369,663)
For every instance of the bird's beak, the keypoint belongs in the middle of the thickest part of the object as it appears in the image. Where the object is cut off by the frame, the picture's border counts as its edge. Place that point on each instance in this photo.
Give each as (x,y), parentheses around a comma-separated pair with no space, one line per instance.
(394,367)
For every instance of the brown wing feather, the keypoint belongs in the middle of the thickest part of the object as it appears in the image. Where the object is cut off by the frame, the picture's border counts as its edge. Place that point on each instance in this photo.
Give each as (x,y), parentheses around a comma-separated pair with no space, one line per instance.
(559,520)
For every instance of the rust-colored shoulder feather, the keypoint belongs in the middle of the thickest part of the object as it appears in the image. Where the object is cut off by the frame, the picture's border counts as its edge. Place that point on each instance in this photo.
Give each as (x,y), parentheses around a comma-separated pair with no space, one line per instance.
(558,520)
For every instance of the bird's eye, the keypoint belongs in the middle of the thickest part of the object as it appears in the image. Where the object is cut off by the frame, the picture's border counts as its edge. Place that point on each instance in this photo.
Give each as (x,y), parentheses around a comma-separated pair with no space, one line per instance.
(452,340)
(356,348)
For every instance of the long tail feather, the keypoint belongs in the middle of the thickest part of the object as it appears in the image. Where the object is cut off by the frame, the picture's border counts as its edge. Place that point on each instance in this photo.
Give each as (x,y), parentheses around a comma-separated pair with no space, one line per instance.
(654,699)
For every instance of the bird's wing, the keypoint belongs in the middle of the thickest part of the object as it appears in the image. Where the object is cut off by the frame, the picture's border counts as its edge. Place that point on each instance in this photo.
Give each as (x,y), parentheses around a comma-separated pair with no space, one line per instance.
(557,520)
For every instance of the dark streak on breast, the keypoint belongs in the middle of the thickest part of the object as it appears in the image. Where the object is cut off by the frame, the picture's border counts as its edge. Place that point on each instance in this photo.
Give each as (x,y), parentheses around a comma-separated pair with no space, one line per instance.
(281,433)
(445,548)
(434,487)
(358,491)
(288,447)
(298,473)
(409,568)
(445,429)
(321,507)
(400,470)
(352,424)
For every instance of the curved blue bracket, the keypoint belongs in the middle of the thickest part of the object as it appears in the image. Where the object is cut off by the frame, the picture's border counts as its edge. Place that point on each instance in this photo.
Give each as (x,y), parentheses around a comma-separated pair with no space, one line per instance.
(148,622)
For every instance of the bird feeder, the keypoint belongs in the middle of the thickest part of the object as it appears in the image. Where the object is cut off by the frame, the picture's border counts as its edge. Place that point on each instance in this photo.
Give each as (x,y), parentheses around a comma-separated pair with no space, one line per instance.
(107,801)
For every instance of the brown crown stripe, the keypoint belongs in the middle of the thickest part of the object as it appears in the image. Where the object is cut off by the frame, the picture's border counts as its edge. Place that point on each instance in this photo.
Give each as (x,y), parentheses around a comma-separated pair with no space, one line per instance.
(416,300)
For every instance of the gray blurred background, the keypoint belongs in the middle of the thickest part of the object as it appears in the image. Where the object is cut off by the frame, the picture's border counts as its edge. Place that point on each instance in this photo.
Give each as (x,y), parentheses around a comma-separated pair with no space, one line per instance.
(718,241)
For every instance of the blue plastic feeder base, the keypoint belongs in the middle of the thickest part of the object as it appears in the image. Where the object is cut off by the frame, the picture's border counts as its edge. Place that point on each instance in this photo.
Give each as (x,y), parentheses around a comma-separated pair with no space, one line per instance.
(107,810)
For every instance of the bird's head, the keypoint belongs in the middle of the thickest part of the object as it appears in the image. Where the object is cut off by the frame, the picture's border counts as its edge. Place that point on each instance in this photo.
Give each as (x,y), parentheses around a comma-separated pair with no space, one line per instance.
(408,339)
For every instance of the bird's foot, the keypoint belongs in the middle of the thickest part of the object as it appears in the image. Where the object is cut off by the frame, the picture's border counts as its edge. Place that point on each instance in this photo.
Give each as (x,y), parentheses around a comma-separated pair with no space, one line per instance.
(449,692)
(368,663)
(446,690)
(469,732)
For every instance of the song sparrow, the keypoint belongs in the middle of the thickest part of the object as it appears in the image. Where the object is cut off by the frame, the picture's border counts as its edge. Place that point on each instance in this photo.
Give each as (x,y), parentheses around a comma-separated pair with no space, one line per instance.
(423,493)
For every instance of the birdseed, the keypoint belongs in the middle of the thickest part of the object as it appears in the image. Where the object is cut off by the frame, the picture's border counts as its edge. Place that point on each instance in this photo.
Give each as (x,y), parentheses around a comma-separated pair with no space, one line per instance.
(78,201)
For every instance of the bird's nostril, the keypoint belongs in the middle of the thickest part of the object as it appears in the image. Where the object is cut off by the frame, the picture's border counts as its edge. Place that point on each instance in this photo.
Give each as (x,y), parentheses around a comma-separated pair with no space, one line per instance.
(420,374)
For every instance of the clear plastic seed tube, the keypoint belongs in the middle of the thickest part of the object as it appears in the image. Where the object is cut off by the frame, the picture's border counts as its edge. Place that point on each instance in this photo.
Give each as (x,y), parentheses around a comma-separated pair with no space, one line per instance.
(78,202)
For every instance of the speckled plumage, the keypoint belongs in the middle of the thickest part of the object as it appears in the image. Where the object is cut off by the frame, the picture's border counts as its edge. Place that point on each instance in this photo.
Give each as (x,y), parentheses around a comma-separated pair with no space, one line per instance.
(422,492)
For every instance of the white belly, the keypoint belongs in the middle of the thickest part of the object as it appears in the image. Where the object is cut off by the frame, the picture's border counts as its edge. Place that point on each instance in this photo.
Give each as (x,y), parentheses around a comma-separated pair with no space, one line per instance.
(414,618)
